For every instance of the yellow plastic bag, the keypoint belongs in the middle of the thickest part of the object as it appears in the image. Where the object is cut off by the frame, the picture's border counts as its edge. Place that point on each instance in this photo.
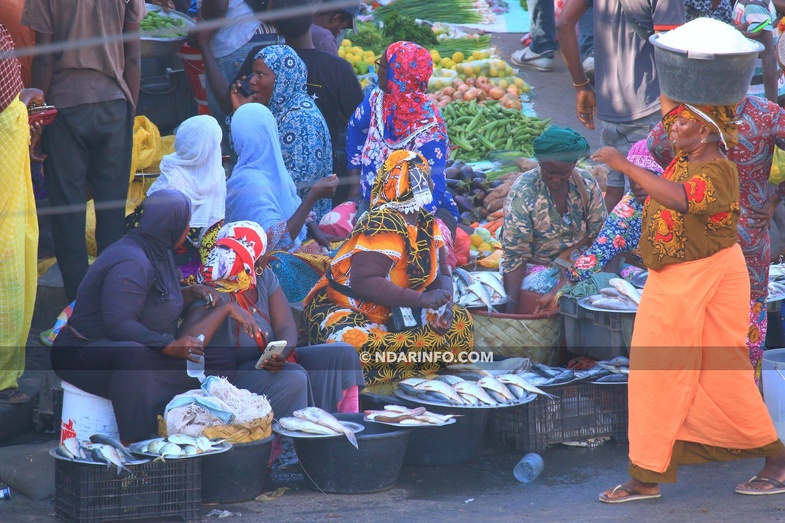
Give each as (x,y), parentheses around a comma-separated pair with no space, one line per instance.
(777,175)
(147,146)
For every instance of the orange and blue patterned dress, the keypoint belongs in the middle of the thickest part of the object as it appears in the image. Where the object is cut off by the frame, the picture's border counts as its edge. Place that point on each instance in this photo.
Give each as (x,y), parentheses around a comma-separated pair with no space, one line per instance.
(330,316)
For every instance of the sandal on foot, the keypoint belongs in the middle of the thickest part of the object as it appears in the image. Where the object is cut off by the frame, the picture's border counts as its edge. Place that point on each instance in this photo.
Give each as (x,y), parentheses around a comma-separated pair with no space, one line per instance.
(776,487)
(632,495)
(13,396)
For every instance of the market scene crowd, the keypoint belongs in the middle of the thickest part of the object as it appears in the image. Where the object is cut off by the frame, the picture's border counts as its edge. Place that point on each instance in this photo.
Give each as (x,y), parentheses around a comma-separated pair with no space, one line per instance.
(309,206)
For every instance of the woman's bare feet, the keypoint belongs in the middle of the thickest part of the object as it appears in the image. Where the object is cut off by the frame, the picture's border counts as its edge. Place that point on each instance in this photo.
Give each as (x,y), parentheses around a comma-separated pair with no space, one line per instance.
(632,490)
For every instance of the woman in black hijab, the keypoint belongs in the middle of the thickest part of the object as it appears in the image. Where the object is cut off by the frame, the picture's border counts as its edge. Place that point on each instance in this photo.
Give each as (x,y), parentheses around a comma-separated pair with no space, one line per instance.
(121,340)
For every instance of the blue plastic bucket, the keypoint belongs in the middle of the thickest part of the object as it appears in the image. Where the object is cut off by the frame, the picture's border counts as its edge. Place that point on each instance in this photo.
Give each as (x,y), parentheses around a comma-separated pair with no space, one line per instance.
(773,375)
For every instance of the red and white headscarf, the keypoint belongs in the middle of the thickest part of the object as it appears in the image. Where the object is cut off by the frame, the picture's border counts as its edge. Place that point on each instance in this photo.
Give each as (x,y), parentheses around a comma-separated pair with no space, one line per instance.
(230,264)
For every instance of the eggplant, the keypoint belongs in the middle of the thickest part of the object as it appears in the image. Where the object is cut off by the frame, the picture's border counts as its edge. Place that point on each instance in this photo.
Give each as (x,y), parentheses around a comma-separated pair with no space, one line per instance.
(495,184)
(452,183)
(479,174)
(476,183)
(458,165)
(464,204)
(449,163)
(478,194)
(466,218)
(467,173)
(451,173)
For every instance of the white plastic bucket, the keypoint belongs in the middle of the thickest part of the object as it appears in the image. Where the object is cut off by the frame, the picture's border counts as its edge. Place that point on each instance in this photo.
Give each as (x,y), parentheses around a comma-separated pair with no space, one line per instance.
(773,375)
(85,414)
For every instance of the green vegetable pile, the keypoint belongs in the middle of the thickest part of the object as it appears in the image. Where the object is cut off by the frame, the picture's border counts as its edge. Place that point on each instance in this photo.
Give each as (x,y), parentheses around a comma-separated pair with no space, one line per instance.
(395,28)
(163,26)
(478,130)
(451,11)
(450,46)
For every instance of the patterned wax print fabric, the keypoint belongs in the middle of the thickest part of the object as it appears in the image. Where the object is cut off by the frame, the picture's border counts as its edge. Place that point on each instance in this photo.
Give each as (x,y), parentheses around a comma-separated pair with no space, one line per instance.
(705,9)
(305,139)
(533,229)
(761,128)
(620,233)
(402,118)
(708,226)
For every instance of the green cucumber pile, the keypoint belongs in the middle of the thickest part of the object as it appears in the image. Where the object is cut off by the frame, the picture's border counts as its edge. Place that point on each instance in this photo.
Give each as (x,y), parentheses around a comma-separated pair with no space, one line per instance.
(163,26)
(476,130)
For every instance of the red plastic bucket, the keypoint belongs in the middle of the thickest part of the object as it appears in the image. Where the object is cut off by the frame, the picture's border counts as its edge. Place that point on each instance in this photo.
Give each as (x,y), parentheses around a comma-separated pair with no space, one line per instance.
(195,74)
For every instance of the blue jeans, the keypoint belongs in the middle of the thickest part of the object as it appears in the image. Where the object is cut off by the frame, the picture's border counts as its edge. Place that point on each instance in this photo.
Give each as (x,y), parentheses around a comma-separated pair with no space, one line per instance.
(586,34)
(543,26)
(543,29)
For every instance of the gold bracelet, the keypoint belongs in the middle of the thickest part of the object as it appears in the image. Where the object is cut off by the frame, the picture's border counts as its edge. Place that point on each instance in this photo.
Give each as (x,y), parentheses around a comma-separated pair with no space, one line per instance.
(581,84)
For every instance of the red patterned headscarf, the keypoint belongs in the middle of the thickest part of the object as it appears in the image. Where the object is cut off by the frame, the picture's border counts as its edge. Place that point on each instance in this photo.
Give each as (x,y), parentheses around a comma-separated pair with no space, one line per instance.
(230,263)
(10,70)
(405,106)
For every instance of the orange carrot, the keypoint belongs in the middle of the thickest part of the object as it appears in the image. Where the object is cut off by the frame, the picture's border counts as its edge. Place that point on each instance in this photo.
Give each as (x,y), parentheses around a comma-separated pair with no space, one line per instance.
(496,214)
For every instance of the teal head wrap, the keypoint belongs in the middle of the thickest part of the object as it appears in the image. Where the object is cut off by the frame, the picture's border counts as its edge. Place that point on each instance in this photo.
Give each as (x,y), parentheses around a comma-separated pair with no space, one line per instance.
(560,143)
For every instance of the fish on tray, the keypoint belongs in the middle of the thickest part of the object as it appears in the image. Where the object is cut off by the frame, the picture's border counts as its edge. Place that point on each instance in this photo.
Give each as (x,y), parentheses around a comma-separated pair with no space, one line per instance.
(620,303)
(441,389)
(496,389)
(101,449)
(471,391)
(325,419)
(627,289)
(519,386)
(406,416)
(612,378)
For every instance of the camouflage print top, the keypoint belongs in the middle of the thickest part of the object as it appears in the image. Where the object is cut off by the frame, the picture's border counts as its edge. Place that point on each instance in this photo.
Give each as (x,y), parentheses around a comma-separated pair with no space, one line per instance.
(534,230)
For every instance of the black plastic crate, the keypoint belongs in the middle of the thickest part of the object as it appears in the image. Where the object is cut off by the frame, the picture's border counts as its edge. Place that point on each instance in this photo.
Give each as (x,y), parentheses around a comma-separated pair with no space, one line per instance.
(601,335)
(580,412)
(88,493)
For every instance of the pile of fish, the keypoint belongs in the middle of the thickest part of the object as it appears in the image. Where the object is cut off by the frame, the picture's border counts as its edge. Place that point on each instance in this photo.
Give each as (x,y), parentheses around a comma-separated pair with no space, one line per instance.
(470,389)
(177,446)
(314,420)
(478,289)
(405,416)
(621,296)
(101,449)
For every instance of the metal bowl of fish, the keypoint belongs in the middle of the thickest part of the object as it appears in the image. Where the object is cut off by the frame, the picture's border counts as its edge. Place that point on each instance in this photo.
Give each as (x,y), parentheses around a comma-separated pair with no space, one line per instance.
(101,451)
(399,416)
(277,427)
(468,391)
(179,446)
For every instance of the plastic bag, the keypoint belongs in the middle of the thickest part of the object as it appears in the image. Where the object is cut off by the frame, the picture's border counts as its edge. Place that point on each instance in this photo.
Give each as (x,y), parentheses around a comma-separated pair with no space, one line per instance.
(777,175)
(148,148)
(191,412)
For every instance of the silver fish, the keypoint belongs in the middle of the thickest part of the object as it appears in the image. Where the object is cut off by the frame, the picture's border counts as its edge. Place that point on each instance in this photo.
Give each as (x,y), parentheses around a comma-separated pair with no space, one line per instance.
(449,379)
(464,276)
(182,439)
(324,418)
(109,455)
(491,279)
(190,450)
(470,389)
(613,378)
(626,288)
(441,388)
(619,361)
(612,368)
(481,292)
(517,383)
(301,425)
(615,304)
(204,444)
(74,448)
(106,440)
(154,446)
(611,292)
(492,384)
(407,385)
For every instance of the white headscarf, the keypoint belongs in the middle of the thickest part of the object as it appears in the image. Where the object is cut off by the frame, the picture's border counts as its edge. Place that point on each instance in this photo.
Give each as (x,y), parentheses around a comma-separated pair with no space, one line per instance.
(260,189)
(196,170)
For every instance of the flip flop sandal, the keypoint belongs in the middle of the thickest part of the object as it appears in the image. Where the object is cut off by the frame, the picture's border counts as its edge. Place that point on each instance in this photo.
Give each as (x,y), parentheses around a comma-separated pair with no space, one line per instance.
(13,396)
(777,487)
(632,495)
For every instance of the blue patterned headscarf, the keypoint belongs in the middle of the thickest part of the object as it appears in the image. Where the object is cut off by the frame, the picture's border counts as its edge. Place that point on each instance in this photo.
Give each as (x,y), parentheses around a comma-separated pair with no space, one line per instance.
(291,75)
(305,139)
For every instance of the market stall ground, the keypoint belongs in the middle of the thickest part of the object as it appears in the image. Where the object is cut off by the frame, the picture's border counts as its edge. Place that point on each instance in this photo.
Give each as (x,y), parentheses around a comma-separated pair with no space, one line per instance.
(567,489)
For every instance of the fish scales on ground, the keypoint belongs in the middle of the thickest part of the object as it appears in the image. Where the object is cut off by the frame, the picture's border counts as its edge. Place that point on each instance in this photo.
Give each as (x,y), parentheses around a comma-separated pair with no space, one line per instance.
(324,418)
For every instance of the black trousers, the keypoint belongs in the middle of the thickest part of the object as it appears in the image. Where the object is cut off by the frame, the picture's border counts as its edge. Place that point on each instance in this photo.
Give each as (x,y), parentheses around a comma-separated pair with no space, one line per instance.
(88,148)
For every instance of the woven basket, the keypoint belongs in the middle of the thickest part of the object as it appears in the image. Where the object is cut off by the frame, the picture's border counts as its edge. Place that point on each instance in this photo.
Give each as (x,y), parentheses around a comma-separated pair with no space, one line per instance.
(518,335)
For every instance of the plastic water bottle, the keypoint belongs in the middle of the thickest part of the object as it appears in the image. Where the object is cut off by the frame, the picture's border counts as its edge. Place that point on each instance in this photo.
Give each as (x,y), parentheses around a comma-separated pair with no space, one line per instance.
(196,370)
(528,468)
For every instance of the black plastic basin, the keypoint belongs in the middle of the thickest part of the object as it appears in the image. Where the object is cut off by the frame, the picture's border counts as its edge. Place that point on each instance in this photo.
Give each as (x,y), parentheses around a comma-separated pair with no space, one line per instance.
(333,465)
(431,446)
(237,474)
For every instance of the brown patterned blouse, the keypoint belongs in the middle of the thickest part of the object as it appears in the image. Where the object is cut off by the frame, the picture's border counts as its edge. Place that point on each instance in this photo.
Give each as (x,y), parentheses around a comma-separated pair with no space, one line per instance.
(708,226)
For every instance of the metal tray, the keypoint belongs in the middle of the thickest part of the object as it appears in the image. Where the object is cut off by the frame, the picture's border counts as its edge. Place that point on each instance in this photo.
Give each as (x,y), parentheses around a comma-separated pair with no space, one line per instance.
(405,426)
(354,427)
(134,448)
(403,395)
(55,455)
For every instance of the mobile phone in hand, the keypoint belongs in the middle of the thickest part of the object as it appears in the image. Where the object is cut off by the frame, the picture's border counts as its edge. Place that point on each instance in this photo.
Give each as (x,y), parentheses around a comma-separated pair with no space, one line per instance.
(245,88)
(273,348)
(42,113)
